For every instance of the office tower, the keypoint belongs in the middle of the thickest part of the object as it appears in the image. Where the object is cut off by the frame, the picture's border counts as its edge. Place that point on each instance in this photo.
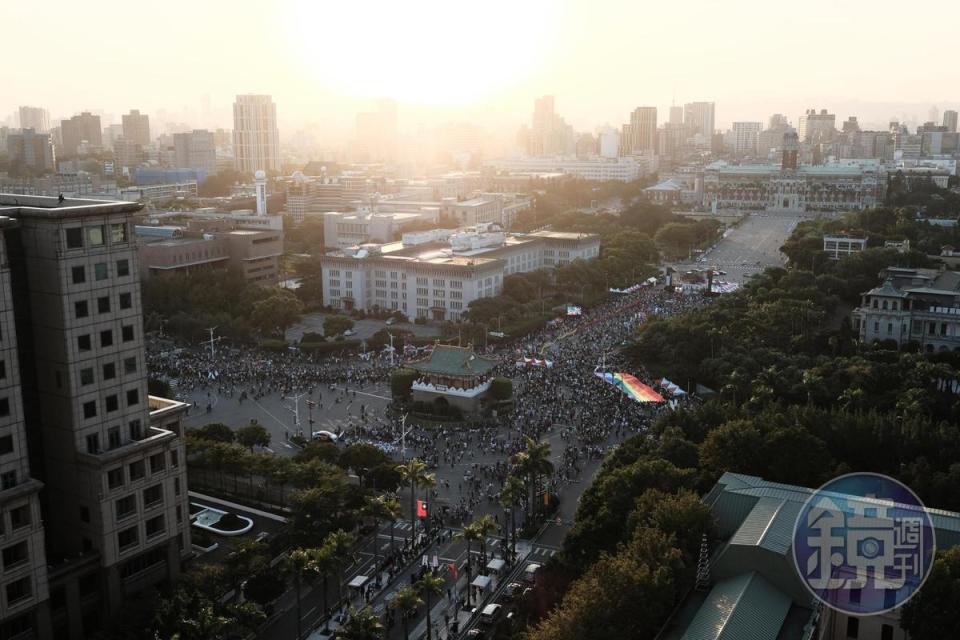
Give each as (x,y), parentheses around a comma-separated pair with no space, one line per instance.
(127,153)
(746,137)
(699,118)
(136,127)
(640,136)
(84,128)
(791,147)
(609,142)
(256,141)
(31,149)
(777,120)
(850,125)
(815,128)
(195,150)
(950,120)
(36,118)
(549,134)
(115,512)
(676,115)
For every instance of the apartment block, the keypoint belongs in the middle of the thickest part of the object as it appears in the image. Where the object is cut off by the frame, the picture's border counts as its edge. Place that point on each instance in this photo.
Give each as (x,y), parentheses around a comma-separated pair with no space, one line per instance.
(113,503)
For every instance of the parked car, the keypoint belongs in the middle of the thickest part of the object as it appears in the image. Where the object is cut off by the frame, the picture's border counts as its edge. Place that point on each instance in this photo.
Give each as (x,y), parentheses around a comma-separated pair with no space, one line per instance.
(511,591)
(490,614)
(530,573)
(326,436)
(349,332)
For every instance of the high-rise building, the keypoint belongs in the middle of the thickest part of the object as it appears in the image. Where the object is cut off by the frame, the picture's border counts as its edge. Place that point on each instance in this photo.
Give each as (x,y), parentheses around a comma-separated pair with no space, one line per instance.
(609,142)
(746,137)
(256,141)
(136,127)
(791,146)
(777,120)
(106,461)
(34,150)
(699,118)
(36,118)
(950,120)
(549,134)
(676,115)
(195,150)
(127,153)
(817,128)
(640,136)
(80,129)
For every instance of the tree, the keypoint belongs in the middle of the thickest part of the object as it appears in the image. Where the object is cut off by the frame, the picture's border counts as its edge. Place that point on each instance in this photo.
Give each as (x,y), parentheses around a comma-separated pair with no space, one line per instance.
(362,458)
(406,600)
(334,325)
(534,462)
(191,615)
(253,435)
(411,474)
(383,508)
(733,446)
(501,389)
(470,534)
(934,612)
(429,586)
(341,551)
(401,380)
(264,588)
(274,315)
(325,564)
(485,526)
(361,625)
(298,566)
(215,431)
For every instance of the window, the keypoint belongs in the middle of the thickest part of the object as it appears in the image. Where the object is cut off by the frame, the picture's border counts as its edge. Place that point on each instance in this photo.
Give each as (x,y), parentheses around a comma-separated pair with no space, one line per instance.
(80,309)
(154,526)
(86,376)
(74,238)
(157,463)
(109,371)
(126,300)
(3,369)
(126,332)
(106,338)
(100,271)
(176,488)
(83,342)
(18,590)
(112,404)
(125,506)
(103,304)
(93,443)
(153,496)
(8,480)
(20,517)
(78,275)
(4,407)
(15,554)
(123,268)
(127,538)
(134,429)
(95,236)
(174,459)
(6,445)
(130,365)
(118,233)
(133,397)
(90,409)
(853,627)
(137,470)
(115,478)
(113,437)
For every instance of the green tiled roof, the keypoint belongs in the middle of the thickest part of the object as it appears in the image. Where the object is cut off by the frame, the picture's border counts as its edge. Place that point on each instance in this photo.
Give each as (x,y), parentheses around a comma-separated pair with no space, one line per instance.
(744,607)
(769,525)
(453,361)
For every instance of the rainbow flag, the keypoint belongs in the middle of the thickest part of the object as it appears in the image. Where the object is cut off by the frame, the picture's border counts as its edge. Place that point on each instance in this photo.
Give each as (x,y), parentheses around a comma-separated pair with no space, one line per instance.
(629,384)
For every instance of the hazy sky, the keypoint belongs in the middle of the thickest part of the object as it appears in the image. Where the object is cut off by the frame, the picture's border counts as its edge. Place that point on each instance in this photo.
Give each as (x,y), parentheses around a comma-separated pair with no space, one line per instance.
(482,60)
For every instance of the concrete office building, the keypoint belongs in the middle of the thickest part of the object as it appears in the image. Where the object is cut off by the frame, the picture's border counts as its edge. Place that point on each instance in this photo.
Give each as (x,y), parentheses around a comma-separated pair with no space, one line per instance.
(195,150)
(746,137)
(595,169)
(436,274)
(31,149)
(699,119)
(817,127)
(256,141)
(80,129)
(38,119)
(640,135)
(841,246)
(950,121)
(136,127)
(114,507)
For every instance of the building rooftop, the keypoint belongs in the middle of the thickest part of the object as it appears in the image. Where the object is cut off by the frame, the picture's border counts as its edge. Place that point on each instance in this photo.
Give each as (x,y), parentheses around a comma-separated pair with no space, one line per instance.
(48,207)
(453,361)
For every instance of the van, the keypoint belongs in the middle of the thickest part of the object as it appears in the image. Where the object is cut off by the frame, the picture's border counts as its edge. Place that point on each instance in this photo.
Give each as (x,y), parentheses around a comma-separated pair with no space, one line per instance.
(490,614)
(530,573)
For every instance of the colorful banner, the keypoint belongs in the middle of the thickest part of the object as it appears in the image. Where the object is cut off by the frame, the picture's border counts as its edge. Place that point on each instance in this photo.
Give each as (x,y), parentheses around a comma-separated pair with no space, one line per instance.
(671,388)
(421,509)
(574,310)
(629,384)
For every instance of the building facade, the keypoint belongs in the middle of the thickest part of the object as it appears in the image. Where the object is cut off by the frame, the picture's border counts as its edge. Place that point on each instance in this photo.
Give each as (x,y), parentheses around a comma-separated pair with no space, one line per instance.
(32,149)
(38,119)
(837,247)
(81,132)
(640,135)
(746,137)
(256,141)
(195,150)
(136,127)
(114,502)
(598,169)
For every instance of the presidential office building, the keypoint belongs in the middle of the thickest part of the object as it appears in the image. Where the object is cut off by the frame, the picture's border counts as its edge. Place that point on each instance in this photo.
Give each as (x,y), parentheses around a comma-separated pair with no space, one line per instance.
(436,274)
(93,487)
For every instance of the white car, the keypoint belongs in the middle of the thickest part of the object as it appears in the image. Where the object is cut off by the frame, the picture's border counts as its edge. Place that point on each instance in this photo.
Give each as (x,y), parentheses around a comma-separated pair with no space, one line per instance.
(327,436)
(490,614)
(349,332)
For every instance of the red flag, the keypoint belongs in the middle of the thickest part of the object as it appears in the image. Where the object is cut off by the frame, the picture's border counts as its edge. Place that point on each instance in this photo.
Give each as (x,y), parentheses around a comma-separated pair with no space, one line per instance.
(421,509)
(453,570)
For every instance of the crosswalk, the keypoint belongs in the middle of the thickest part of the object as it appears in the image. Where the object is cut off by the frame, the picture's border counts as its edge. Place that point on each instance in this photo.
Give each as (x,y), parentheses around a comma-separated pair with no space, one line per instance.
(542,552)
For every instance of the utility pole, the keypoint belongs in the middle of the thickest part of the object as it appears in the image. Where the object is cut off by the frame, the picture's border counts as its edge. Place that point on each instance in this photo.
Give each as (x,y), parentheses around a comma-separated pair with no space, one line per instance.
(403,437)
(391,347)
(296,412)
(212,341)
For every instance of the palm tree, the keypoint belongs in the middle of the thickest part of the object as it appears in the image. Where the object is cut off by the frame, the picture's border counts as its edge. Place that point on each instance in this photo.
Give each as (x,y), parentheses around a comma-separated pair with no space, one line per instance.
(510,496)
(411,474)
(485,525)
(534,462)
(405,600)
(341,548)
(297,565)
(428,586)
(382,508)
(427,481)
(361,625)
(324,563)
(469,534)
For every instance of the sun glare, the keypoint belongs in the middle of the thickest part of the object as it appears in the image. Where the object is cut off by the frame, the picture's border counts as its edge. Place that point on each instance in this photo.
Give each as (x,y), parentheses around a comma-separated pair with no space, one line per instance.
(433,52)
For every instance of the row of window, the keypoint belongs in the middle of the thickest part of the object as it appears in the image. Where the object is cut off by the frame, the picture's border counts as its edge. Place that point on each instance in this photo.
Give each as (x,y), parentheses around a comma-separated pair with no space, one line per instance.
(152,497)
(85,341)
(92,236)
(81,308)
(101,271)
(111,403)
(130,537)
(19,518)
(137,470)
(109,371)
